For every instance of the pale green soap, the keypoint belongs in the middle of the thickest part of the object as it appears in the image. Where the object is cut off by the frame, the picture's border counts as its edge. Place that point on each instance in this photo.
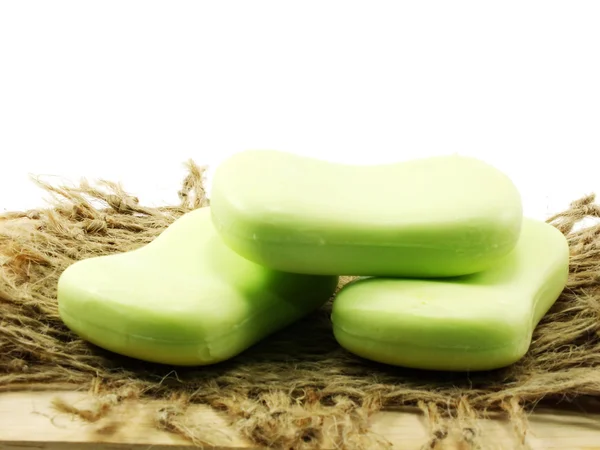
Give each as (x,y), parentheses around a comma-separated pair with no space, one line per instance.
(184,299)
(432,217)
(476,322)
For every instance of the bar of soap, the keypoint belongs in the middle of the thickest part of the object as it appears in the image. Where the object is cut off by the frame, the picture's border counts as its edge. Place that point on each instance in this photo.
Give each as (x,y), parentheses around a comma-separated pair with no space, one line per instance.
(431,217)
(184,299)
(477,322)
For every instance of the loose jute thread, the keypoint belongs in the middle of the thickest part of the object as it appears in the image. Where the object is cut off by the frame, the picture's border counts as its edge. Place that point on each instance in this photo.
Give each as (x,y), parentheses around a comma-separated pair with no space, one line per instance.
(295,390)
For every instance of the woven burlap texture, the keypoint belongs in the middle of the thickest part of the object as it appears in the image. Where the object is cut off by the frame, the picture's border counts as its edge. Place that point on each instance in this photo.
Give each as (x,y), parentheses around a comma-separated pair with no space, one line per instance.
(285,391)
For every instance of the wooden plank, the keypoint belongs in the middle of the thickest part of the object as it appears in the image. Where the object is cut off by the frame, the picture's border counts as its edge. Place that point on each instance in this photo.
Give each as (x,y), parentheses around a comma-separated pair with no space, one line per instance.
(29,421)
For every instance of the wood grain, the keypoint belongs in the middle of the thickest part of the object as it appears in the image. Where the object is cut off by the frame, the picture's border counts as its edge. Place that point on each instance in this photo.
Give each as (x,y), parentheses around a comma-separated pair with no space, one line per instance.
(29,421)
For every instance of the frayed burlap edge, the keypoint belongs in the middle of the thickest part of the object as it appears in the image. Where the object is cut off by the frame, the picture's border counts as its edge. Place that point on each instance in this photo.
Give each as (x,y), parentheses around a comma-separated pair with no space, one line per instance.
(297,389)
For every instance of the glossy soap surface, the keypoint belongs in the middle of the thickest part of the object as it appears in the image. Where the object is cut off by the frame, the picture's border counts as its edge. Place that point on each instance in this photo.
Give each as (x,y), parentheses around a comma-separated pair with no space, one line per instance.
(184,299)
(440,216)
(477,322)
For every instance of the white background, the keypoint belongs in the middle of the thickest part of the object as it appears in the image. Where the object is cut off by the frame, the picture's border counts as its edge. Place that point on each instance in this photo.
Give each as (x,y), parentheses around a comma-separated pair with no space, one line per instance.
(130,90)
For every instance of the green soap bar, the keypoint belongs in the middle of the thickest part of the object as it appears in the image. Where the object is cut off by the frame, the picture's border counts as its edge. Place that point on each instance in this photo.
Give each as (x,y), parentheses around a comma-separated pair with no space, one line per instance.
(432,217)
(476,322)
(183,299)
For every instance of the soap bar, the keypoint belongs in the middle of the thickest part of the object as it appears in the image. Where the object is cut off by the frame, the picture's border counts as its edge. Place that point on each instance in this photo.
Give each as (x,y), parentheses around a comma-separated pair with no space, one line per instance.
(184,299)
(469,323)
(431,217)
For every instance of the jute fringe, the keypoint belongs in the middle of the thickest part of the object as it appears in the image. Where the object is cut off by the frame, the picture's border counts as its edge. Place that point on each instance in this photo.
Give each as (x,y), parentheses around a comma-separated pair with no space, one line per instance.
(294,388)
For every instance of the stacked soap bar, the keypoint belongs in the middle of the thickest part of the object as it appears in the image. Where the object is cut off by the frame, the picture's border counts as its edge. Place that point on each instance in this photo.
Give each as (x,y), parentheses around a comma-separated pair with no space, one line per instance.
(475,322)
(453,276)
(442,216)
(185,298)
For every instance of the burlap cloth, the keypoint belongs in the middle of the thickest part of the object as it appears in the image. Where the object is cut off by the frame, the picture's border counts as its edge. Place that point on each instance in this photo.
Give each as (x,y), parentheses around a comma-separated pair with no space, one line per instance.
(281,392)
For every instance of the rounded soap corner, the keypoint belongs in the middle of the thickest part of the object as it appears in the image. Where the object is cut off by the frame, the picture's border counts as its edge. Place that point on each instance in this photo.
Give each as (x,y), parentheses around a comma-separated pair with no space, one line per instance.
(66,280)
